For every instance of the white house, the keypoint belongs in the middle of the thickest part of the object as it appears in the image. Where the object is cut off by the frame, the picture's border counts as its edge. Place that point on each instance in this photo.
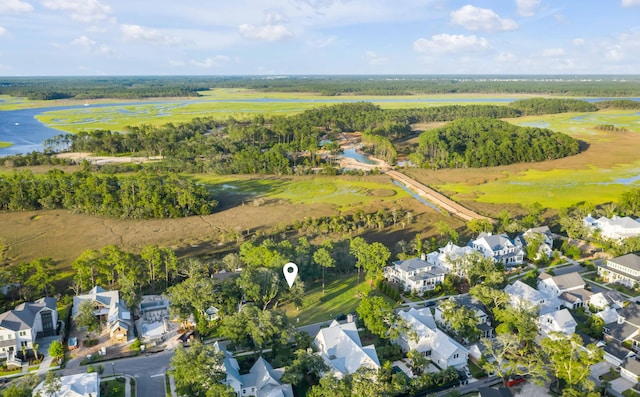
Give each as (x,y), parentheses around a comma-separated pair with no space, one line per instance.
(626,328)
(109,308)
(432,342)
(261,381)
(415,274)
(558,321)
(79,385)
(340,347)
(622,269)
(630,370)
(452,257)
(522,295)
(616,228)
(546,245)
(28,321)
(556,285)
(499,248)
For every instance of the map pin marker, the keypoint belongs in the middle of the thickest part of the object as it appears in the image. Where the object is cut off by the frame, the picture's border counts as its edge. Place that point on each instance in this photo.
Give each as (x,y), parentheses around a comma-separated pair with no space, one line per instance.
(290,271)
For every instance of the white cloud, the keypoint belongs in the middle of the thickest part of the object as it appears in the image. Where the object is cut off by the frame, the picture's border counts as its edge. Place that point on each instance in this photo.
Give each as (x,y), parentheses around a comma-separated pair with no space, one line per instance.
(14,6)
(139,33)
(81,10)
(174,62)
(275,18)
(630,3)
(322,42)
(481,19)
(553,52)
(578,42)
(374,58)
(3,31)
(527,8)
(265,32)
(212,62)
(456,43)
(91,46)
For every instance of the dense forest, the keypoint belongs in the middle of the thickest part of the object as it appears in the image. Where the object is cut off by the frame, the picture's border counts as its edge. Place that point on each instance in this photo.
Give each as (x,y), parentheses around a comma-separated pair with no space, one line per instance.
(536,106)
(48,88)
(483,142)
(142,195)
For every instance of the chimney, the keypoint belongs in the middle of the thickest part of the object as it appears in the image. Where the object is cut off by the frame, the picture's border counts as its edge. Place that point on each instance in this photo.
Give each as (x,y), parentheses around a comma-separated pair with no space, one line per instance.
(423,256)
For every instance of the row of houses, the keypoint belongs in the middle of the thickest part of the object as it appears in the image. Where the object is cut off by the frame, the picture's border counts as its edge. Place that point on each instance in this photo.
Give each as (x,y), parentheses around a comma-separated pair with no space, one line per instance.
(425,273)
(614,228)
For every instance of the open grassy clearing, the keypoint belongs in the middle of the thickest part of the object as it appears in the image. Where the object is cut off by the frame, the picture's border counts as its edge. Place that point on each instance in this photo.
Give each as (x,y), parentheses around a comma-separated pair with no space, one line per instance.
(342,296)
(63,235)
(608,167)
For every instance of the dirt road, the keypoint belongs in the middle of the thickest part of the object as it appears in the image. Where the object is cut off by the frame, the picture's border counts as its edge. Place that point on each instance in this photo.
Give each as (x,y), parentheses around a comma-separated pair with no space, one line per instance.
(436,198)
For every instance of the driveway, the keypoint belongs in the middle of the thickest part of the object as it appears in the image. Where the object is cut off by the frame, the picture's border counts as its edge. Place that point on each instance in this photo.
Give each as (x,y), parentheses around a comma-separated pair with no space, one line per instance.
(621,384)
(599,369)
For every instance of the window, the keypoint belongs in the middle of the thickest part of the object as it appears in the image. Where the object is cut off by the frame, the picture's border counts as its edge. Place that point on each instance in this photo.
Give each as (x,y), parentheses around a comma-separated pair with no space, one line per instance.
(24,343)
(23,333)
(456,355)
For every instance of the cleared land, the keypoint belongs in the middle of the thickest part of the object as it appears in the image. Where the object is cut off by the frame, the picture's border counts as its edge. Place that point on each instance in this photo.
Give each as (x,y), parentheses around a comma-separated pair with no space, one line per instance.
(247,204)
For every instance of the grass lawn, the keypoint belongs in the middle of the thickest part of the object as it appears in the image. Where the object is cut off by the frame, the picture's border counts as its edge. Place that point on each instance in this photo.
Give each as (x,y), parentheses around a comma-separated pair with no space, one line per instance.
(609,376)
(630,393)
(112,388)
(342,296)
(476,371)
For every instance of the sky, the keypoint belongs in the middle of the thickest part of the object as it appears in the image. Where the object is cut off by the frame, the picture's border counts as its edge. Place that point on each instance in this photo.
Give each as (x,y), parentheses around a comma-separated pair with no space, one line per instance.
(298,37)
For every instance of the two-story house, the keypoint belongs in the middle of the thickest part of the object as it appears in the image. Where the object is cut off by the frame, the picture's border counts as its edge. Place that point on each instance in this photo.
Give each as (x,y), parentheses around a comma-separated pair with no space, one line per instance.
(415,274)
(522,295)
(623,269)
(110,309)
(441,349)
(499,248)
(20,327)
(452,258)
(544,234)
(569,288)
(616,228)
(340,347)
(626,330)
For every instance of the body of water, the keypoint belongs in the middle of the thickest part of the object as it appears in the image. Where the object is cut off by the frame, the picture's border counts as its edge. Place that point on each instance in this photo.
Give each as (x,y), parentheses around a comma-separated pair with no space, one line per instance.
(361,158)
(21,128)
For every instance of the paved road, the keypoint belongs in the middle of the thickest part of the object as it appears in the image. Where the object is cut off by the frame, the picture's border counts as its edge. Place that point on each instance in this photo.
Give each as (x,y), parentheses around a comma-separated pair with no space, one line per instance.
(147,370)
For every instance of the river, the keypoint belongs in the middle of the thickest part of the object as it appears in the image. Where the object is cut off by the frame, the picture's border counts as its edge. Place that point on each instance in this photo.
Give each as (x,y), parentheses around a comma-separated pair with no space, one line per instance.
(26,133)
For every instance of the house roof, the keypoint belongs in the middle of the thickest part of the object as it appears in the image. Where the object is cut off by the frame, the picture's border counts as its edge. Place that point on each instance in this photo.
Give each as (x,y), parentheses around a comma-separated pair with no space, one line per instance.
(614,349)
(631,261)
(23,316)
(568,281)
(419,319)
(520,291)
(114,307)
(631,313)
(608,315)
(229,363)
(79,385)
(469,302)
(264,378)
(341,348)
(621,332)
(445,345)
(540,229)
(576,295)
(495,242)
(561,321)
(632,365)
(412,264)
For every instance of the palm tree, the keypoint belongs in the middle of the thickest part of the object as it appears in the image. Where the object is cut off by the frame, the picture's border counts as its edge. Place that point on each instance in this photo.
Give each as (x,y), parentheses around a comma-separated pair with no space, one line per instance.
(35,347)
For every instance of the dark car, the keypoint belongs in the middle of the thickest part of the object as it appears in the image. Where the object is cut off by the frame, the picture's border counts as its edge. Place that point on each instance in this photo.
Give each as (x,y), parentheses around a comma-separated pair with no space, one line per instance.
(429,303)
(341,317)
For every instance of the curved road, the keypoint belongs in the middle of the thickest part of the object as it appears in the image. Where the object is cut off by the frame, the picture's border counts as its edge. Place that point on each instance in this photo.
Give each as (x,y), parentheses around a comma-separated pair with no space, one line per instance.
(436,198)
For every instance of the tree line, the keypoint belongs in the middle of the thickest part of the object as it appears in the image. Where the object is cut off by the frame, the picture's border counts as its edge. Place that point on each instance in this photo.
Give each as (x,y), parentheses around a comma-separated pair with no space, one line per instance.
(537,106)
(482,142)
(142,195)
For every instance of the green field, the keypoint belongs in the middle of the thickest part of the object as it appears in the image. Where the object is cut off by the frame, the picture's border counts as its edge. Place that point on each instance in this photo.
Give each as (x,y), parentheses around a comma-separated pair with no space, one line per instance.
(342,296)
(344,193)
(607,168)
(224,103)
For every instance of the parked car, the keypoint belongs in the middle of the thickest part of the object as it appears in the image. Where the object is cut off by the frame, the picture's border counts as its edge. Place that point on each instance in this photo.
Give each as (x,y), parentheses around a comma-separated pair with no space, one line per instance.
(515,380)
(429,303)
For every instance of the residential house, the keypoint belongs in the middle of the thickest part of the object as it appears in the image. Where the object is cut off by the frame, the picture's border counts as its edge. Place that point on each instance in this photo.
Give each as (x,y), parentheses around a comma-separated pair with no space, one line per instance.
(441,349)
(110,309)
(630,370)
(608,315)
(559,321)
(340,347)
(524,296)
(546,237)
(261,381)
(484,323)
(623,269)
(212,313)
(28,321)
(615,354)
(499,248)
(616,228)
(556,285)
(415,274)
(79,385)
(626,330)
(452,257)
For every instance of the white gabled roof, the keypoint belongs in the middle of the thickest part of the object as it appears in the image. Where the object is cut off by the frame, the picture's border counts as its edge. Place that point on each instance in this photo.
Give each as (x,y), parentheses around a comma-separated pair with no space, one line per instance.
(445,345)
(608,315)
(79,385)
(419,319)
(341,348)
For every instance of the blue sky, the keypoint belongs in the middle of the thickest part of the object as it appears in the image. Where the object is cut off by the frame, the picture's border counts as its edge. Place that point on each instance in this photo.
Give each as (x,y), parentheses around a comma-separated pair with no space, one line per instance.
(231,37)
